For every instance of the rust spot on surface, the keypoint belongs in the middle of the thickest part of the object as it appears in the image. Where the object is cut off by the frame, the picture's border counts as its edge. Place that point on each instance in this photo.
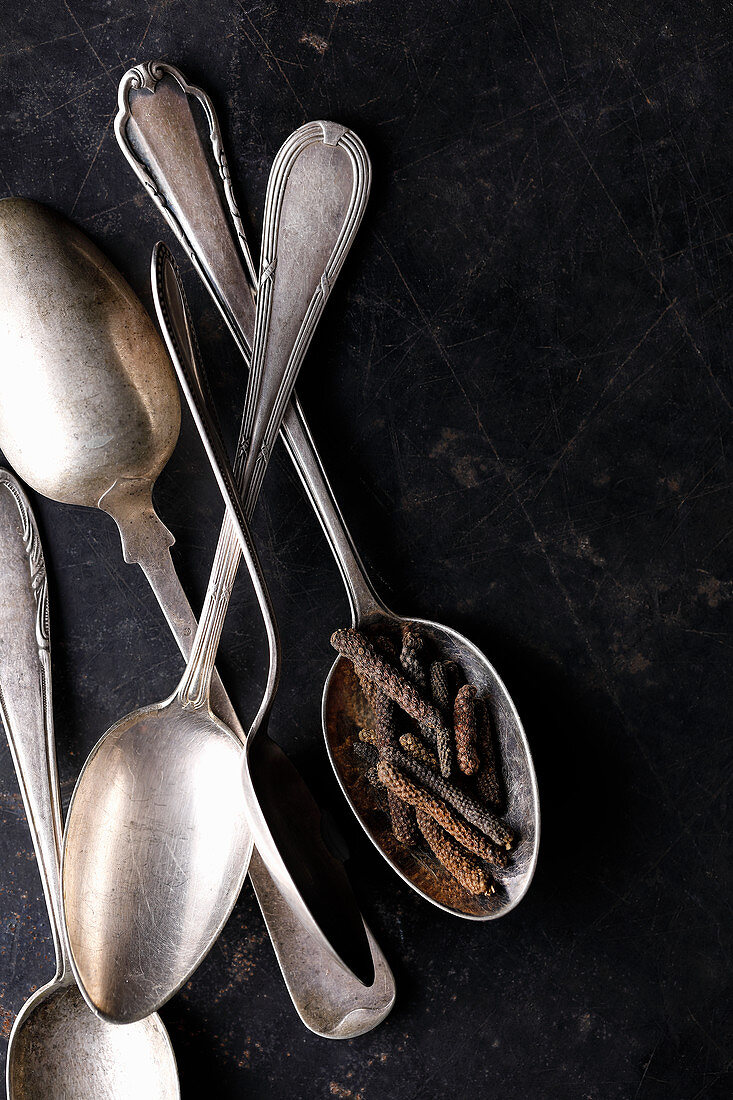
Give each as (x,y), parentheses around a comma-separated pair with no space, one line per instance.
(6,1022)
(317,41)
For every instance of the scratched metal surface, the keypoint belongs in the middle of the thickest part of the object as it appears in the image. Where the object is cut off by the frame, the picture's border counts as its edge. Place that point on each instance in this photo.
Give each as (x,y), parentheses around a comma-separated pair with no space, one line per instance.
(523,397)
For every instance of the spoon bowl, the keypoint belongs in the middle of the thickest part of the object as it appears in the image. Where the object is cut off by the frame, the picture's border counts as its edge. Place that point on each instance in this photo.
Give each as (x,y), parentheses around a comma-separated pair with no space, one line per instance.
(183,766)
(59,1048)
(62,429)
(346,711)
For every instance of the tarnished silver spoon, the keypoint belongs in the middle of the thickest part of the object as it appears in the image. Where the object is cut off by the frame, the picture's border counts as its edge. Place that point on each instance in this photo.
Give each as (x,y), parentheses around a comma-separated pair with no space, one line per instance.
(58,1047)
(89,414)
(161,138)
(286,821)
(156,826)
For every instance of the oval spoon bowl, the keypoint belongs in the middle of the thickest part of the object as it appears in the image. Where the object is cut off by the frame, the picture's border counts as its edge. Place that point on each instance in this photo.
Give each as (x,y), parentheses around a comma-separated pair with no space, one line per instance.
(59,1049)
(88,395)
(183,767)
(346,711)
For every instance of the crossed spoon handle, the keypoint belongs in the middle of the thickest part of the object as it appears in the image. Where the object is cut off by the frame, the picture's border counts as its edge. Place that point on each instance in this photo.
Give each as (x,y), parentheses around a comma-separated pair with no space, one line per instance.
(173,315)
(160,135)
(316,196)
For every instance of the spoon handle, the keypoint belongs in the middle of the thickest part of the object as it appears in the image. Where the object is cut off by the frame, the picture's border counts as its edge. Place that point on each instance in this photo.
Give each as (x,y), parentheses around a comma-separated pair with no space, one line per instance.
(25,692)
(329,999)
(159,135)
(172,311)
(161,140)
(316,196)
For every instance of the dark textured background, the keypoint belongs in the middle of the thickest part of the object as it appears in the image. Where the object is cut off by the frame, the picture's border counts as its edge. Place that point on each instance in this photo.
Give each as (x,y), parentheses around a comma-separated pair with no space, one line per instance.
(522,393)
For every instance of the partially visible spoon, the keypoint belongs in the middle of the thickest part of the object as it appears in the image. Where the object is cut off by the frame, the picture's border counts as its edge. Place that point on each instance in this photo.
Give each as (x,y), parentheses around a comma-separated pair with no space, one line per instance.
(180,179)
(152,850)
(58,1047)
(79,353)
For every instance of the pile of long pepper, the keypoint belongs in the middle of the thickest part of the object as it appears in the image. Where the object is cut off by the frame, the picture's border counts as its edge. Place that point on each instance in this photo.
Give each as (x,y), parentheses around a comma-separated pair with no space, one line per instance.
(431,752)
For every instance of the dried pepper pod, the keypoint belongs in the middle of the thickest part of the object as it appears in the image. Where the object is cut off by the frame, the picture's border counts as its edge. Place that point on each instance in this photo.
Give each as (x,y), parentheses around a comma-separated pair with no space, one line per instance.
(369,688)
(442,699)
(379,792)
(366,752)
(353,645)
(383,709)
(440,689)
(464,724)
(462,865)
(454,676)
(411,743)
(444,747)
(488,784)
(384,719)
(480,816)
(405,788)
(402,816)
(412,657)
(369,736)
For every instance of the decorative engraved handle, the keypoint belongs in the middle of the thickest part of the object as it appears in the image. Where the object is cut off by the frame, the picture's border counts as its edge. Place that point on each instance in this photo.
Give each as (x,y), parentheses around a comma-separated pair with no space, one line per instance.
(25,691)
(316,196)
(316,199)
(158,134)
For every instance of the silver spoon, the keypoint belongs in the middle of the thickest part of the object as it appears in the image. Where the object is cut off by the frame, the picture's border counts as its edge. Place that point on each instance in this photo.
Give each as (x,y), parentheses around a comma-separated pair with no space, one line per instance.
(158,133)
(58,1048)
(77,351)
(155,830)
(305,844)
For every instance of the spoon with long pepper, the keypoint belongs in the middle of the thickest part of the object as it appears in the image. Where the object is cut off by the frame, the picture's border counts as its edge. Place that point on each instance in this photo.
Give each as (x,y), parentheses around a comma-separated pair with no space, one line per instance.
(159,127)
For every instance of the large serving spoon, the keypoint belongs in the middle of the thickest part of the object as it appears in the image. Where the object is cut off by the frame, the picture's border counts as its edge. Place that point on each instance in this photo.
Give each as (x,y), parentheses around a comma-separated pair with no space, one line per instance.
(155,827)
(58,1048)
(159,129)
(77,351)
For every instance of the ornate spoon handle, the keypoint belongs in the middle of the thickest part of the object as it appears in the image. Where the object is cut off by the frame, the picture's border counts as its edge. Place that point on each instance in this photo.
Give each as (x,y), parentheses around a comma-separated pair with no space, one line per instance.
(25,692)
(316,197)
(157,130)
(161,139)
